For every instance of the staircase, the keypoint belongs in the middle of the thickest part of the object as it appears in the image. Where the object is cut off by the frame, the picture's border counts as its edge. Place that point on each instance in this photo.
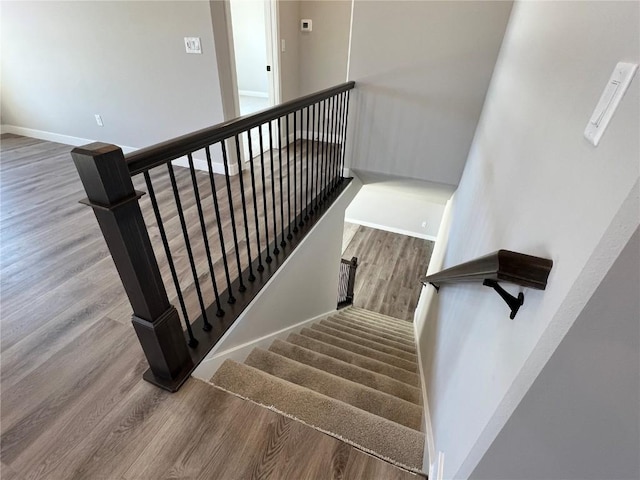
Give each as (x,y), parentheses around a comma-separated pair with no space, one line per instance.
(352,375)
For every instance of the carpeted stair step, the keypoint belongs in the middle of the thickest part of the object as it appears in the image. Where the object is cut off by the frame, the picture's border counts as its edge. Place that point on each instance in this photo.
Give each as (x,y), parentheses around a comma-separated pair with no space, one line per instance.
(386,439)
(374,344)
(399,325)
(368,336)
(403,325)
(342,369)
(360,350)
(356,359)
(380,325)
(360,396)
(381,317)
(373,330)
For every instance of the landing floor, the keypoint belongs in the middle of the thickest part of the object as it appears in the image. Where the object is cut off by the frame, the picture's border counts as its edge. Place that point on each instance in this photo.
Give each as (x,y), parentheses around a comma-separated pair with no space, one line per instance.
(74,405)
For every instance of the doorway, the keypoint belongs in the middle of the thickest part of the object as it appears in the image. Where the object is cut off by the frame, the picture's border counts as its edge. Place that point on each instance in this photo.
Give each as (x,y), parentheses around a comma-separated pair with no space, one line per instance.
(254,25)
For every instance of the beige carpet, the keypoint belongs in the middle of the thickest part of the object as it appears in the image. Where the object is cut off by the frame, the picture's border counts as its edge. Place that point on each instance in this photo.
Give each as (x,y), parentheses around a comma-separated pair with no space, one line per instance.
(352,375)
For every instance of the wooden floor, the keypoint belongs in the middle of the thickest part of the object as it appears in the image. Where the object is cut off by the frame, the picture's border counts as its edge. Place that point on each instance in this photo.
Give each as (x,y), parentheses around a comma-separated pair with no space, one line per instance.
(73,403)
(389,266)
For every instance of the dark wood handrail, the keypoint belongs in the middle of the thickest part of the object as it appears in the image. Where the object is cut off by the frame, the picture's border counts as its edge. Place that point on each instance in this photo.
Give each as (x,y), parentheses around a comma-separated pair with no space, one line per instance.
(500,266)
(155,155)
(503,266)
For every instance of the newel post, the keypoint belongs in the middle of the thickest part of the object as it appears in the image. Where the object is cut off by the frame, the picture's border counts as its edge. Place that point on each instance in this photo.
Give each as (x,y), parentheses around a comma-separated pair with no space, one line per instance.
(107,182)
(352,278)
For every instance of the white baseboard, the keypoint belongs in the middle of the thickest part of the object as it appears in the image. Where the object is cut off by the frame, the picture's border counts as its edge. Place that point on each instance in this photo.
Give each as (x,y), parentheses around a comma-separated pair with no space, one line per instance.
(313,135)
(201,164)
(208,368)
(54,137)
(198,163)
(253,93)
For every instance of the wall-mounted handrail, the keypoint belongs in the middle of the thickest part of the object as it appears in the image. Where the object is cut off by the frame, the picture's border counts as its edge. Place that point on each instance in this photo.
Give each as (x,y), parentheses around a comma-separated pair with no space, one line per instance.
(501,266)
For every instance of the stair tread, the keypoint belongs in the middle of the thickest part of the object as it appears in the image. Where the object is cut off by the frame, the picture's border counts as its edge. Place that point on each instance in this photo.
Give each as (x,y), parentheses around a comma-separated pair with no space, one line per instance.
(396,323)
(409,357)
(354,358)
(347,370)
(369,336)
(372,433)
(373,328)
(380,316)
(355,394)
(359,349)
(387,326)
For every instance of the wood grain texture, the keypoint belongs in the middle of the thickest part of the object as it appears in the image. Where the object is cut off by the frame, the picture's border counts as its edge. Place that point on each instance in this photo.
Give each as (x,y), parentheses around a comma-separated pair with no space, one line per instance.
(389,268)
(73,403)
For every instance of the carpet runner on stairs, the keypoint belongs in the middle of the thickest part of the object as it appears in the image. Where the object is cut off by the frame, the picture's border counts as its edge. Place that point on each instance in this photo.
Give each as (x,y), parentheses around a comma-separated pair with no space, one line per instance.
(352,375)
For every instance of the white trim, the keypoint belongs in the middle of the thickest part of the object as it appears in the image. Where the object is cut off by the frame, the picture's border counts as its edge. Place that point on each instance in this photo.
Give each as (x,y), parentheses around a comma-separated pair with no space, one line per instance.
(198,163)
(252,93)
(427,460)
(387,228)
(209,367)
(353,3)
(54,137)
(201,164)
(331,138)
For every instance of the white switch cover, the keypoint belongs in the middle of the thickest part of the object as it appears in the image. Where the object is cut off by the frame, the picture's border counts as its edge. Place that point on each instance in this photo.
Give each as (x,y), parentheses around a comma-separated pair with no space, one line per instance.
(192,44)
(609,101)
(99,120)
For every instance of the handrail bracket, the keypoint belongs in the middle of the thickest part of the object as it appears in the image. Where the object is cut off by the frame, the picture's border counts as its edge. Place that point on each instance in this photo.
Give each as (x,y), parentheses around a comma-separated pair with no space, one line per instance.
(514,302)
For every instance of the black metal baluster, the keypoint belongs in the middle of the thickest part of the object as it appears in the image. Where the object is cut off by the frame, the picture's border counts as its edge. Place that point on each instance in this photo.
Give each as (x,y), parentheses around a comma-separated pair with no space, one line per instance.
(306,206)
(187,242)
(276,250)
(163,235)
(313,154)
(295,173)
(214,194)
(251,276)
(318,162)
(255,202)
(330,144)
(344,137)
(323,183)
(283,243)
(219,312)
(241,287)
(289,235)
(339,133)
(264,196)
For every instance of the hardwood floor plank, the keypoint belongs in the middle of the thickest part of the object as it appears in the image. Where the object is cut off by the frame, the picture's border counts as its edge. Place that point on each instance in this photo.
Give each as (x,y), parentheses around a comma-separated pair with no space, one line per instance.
(389,266)
(73,403)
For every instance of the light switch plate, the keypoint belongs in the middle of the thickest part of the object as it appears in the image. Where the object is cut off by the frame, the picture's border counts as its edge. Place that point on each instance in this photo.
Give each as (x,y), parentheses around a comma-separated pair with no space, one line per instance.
(192,45)
(609,100)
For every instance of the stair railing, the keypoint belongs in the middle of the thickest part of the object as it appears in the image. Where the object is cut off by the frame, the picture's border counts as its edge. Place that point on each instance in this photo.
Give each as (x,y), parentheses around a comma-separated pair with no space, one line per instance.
(346,281)
(210,242)
(501,266)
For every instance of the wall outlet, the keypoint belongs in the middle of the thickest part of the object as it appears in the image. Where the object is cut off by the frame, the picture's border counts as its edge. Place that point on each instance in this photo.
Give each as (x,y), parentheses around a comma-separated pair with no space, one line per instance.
(99,120)
(192,45)
(306,25)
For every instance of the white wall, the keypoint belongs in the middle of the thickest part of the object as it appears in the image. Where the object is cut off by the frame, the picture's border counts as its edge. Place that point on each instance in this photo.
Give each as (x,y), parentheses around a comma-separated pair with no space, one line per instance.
(305,287)
(250,44)
(533,184)
(399,205)
(422,70)
(63,62)
(323,52)
(289,26)
(580,419)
